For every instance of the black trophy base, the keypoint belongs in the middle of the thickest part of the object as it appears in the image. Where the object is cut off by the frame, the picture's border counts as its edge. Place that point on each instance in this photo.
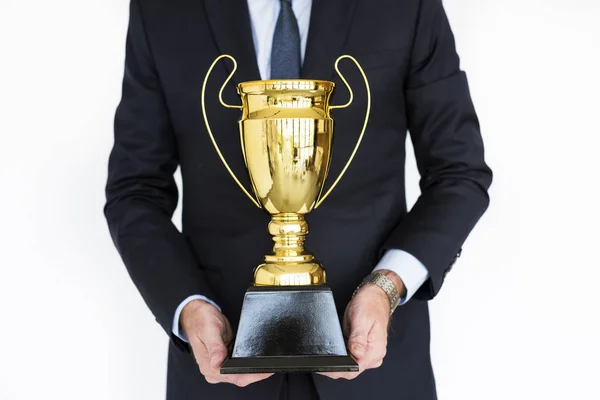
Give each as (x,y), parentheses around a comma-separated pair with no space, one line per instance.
(289,329)
(289,364)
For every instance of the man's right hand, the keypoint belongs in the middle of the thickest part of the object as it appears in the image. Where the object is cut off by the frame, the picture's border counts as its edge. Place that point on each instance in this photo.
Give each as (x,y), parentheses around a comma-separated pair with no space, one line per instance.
(209,334)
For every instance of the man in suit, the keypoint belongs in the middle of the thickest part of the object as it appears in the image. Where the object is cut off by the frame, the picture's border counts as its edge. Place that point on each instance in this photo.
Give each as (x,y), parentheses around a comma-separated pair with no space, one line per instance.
(194,281)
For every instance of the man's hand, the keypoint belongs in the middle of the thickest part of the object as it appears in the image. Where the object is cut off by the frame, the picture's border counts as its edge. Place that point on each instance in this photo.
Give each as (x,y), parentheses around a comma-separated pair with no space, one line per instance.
(209,334)
(365,325)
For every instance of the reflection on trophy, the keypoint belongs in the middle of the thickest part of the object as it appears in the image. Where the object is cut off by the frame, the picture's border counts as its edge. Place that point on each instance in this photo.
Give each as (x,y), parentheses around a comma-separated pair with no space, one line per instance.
(289,321)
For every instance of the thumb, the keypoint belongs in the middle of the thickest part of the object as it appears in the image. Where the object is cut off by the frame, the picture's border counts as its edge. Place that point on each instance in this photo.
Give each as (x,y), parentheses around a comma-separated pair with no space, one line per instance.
(217,351)
(357,340)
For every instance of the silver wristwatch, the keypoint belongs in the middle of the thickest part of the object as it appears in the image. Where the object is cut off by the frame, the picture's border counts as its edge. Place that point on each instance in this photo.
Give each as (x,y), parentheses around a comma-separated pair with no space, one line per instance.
(386,284)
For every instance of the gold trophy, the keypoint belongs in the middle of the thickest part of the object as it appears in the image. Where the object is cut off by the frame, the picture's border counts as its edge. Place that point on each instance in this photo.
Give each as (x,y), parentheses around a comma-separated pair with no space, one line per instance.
(288,321)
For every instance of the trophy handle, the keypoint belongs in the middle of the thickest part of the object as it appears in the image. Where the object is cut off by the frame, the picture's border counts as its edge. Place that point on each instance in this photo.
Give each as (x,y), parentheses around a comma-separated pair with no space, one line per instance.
(364,127)
(212,138)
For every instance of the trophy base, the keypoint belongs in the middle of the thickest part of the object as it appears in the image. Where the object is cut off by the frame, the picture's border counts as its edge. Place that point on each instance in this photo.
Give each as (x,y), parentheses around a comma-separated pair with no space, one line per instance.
(289,329)
(289,364)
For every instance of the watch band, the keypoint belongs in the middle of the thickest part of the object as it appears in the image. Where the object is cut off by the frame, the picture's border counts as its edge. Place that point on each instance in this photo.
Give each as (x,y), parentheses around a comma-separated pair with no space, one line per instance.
(386,284)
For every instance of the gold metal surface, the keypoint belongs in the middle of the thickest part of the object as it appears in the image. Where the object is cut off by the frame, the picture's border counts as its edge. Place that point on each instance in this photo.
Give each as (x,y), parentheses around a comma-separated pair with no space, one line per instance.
(286,134)
(290,264)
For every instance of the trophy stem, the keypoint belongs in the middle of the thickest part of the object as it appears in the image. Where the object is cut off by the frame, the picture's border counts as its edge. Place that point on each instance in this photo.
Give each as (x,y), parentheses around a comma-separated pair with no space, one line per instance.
(289,231)
(290,264)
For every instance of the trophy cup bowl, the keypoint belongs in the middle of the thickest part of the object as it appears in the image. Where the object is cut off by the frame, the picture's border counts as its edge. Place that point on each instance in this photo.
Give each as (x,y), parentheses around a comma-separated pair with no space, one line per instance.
(289,321)
(286,137)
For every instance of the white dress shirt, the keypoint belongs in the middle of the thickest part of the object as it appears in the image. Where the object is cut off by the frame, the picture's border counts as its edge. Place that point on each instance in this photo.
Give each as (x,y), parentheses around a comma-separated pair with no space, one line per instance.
(263,18)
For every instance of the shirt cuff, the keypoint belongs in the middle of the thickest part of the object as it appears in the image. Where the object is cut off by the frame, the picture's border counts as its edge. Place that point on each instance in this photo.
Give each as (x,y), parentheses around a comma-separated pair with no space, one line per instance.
(412,272)
(176,328)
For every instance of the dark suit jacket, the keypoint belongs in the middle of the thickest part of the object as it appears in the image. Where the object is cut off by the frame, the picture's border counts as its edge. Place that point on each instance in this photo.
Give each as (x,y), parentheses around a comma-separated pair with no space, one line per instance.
(408,52)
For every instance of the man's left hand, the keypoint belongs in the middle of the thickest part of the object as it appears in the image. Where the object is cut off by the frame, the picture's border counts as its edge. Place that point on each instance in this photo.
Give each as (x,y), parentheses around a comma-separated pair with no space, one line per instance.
(365,325)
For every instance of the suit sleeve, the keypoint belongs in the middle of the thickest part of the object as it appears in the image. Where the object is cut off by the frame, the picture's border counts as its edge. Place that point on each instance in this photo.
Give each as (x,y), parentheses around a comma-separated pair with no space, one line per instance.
(446,136)
(141,191)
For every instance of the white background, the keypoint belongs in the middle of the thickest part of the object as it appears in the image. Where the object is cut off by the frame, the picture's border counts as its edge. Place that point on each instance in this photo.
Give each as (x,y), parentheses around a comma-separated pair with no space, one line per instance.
(518,317)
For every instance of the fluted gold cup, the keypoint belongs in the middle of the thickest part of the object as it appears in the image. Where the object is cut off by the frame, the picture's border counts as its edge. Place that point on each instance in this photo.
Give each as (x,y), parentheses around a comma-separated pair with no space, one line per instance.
(289,322)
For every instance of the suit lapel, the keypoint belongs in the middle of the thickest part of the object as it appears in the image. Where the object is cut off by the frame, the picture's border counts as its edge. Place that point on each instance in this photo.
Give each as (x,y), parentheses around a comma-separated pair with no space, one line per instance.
(229,21)
(329,23)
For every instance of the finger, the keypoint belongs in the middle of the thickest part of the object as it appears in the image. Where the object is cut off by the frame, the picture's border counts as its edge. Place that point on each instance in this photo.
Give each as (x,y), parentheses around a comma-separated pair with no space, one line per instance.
(227,334)
(248,379)
(203,359)
(216,349)
(332,375)
(377,343)
(350,375)
(215,376)
(377,364)
(340,375)
(376,346)
(357,339)
(346,322)
(201,354)
(217,352)
(241,380)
